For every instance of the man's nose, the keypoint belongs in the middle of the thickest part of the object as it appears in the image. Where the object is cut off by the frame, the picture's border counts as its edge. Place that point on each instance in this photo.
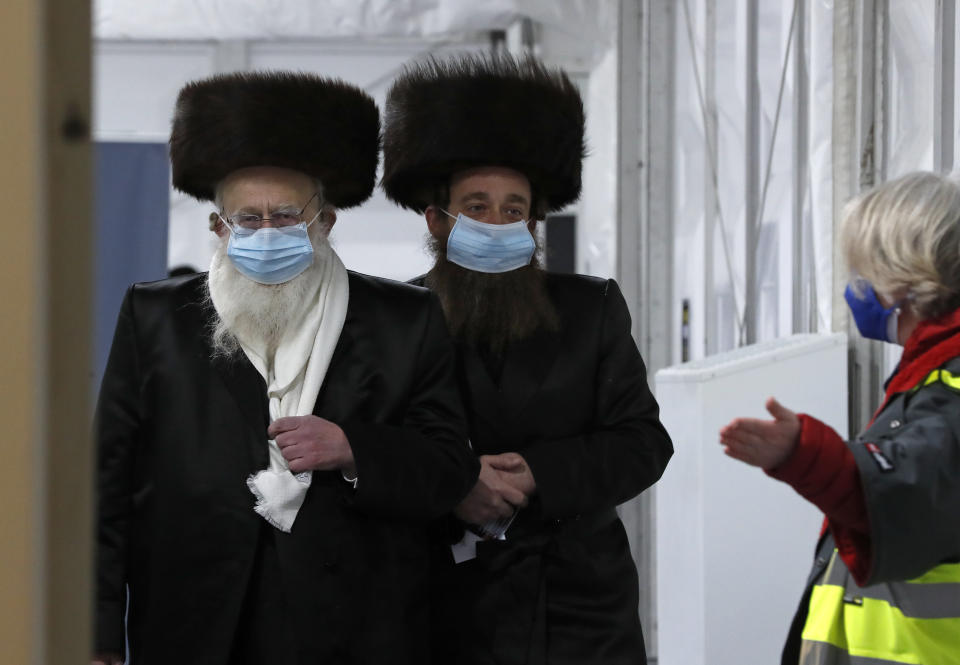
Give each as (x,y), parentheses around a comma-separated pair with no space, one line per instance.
(496,217)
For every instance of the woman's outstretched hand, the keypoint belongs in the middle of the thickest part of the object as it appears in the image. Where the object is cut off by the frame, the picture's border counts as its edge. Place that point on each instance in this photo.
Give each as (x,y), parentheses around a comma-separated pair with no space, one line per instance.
(763,443)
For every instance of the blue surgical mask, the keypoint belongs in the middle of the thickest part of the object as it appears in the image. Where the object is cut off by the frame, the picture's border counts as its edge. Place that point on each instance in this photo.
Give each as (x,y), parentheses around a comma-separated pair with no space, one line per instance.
(874,321)
(271,255)
(492,248)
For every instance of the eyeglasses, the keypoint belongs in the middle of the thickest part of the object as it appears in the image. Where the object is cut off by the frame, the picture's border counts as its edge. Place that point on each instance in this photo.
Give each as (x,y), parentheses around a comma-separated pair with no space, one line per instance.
(246,224)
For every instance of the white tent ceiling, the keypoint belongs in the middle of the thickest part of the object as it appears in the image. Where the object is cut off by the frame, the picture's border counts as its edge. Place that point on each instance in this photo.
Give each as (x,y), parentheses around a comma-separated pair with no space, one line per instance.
(579,20)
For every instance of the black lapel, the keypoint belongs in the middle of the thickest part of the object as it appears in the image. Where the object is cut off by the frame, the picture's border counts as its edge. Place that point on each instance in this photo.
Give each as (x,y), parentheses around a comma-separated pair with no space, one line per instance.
(244,383)
(350,377)
(194,320)
(526,366)
(248,388)
(482,394)
(337,396)
(528,363)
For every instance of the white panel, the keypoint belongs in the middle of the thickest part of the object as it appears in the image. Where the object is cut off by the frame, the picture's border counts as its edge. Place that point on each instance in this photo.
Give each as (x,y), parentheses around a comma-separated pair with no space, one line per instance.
(136,85)
(734,546)
(681,586)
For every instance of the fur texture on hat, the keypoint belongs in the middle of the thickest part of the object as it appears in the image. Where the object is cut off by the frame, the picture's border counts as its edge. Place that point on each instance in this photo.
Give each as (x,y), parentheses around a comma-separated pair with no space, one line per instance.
(446,115)
(325,128)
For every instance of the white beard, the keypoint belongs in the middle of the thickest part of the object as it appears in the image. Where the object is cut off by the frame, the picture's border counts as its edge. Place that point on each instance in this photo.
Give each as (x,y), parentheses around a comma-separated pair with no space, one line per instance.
(259,314)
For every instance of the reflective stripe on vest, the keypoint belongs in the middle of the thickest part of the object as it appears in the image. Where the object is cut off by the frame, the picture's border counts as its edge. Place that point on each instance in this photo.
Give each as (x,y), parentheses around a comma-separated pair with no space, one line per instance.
(946,377)
(917,621)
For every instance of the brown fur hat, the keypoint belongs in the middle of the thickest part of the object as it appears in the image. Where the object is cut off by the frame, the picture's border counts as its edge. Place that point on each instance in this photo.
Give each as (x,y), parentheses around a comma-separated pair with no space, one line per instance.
(322,127)
(480,110)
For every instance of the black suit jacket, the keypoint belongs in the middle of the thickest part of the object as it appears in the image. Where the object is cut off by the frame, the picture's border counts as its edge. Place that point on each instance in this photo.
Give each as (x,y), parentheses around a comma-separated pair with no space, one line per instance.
(562,587)
(179,434)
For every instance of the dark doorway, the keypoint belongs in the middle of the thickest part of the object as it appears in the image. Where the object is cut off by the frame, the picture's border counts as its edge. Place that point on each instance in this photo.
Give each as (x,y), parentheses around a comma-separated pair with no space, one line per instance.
(561,254)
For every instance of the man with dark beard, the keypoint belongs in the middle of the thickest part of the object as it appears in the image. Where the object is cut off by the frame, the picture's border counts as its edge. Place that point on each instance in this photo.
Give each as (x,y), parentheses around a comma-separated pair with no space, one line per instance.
(276,435)
(560,413)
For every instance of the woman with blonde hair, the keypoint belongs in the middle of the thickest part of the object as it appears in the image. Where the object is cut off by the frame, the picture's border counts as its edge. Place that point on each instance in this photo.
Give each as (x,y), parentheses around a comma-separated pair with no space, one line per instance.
(885,584)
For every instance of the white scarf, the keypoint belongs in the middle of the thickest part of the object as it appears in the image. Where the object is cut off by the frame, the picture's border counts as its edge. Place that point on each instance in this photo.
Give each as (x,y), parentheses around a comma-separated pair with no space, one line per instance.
(293,377)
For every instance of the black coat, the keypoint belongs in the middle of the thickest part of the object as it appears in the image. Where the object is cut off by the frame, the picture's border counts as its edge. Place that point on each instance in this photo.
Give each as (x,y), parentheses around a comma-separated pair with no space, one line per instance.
(575,404)
(178,436)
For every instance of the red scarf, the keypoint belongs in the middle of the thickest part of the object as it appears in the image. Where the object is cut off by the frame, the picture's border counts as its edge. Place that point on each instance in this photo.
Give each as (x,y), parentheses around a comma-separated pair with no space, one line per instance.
(932,343)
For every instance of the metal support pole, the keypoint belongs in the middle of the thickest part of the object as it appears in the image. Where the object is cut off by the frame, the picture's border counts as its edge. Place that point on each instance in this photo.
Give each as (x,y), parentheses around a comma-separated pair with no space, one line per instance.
(844,182)
(801,158)
(866,36)
(857,30)
(881,143)
(636,515)
(710,197)
(869,353)
(631,195)
(654,165)
(752,176)
(943,86)
(645,242)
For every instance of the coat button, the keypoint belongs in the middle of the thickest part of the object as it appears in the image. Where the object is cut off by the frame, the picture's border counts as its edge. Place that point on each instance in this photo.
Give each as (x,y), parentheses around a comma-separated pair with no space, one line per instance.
(894,424)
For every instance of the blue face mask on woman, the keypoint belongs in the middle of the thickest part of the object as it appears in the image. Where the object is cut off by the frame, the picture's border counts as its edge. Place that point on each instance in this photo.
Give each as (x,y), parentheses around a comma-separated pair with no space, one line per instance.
(491,248)
(271,255)
(874,321)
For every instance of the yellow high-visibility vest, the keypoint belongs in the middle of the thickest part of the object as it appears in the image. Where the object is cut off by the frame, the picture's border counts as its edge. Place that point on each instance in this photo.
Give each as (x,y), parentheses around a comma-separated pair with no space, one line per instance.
(915,621)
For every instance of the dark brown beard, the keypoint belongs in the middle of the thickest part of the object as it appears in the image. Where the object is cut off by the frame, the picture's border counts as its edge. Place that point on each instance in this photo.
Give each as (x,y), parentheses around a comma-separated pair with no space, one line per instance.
(489,310)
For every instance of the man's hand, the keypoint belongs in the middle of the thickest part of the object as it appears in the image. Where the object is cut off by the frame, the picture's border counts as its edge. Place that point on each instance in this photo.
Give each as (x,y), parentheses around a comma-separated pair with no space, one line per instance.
(763,443)
(491,498)
(311,443)
(514,471)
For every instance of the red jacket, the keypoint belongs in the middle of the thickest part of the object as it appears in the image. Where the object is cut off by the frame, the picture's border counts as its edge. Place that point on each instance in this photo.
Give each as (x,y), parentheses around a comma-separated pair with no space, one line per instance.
(822,468)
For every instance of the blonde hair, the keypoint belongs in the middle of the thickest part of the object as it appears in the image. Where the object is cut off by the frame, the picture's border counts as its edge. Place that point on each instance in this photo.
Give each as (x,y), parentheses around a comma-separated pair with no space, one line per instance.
(903,237)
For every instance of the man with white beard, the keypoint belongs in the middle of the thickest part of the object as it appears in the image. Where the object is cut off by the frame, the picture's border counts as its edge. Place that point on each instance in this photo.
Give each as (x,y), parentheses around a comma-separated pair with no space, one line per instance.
(274,436)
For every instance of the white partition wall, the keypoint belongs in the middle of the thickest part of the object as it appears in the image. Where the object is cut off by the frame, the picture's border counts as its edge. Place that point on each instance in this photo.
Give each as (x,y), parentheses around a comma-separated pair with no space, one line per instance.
(733,545)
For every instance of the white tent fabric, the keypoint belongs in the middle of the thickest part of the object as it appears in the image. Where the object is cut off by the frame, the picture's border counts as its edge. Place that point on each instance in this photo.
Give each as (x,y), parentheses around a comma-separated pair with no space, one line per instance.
(273,19)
